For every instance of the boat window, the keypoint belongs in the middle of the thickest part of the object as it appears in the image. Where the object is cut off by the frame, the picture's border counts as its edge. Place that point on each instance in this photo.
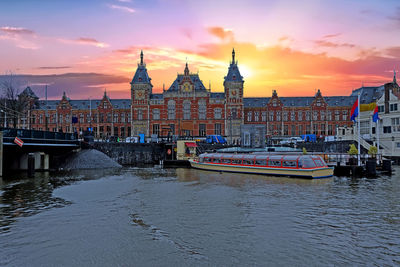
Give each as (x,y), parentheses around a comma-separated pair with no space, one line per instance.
(207,159)
(248,162)
(274,162)
(201,159)
(226,161)
(216,160)
(306,162)
(236,161)
(318,162)
(289,163)
(261,162)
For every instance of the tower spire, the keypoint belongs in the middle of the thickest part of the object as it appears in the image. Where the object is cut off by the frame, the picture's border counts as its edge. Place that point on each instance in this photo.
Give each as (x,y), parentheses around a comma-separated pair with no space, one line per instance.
(141,57)
(186,69)
(394,76)
(233,56)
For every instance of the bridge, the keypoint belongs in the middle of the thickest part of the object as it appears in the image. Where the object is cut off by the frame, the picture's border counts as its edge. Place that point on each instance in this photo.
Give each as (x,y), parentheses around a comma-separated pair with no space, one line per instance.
(18,145)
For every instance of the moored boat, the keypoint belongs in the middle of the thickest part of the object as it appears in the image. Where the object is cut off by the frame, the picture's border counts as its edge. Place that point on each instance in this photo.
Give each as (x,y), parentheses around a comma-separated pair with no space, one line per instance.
(302,166)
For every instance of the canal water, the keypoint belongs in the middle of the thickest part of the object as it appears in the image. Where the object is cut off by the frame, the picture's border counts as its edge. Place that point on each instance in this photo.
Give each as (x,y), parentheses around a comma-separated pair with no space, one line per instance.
(182,217)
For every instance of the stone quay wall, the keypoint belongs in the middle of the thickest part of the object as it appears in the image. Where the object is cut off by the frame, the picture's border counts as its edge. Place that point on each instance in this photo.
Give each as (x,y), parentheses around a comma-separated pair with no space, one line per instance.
(132,153)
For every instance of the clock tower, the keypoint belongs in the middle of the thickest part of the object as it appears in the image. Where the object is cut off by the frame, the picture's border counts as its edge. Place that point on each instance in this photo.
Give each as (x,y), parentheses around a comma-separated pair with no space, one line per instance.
(233,86)
(141,89)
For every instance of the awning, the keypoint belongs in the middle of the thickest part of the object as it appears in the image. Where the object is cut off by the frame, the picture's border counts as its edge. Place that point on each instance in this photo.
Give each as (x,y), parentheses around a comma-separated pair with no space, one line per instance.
(191,144)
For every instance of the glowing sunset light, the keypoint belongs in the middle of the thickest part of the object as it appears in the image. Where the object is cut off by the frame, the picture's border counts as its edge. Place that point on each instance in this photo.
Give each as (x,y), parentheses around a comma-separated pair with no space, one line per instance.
(287,46)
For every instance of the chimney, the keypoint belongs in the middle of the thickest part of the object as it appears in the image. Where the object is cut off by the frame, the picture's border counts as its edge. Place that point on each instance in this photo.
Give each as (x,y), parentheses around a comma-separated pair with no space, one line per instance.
(388,88)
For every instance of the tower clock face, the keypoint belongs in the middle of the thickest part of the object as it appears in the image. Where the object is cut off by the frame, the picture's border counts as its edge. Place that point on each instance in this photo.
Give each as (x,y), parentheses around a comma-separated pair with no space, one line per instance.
(187,87)
(234,93)
(139,94)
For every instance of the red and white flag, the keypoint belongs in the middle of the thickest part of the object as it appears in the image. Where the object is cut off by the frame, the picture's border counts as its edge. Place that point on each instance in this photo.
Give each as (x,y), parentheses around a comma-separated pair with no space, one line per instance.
(18,141)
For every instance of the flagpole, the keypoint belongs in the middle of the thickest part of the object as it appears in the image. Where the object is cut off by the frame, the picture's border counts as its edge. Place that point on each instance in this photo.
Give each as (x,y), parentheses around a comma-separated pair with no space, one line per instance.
(358,130)
(377,135)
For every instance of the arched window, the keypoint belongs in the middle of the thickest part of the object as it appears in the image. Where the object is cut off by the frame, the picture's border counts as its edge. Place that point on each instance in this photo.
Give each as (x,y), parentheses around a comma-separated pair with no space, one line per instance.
(171,109)
(202,109)
(186,109)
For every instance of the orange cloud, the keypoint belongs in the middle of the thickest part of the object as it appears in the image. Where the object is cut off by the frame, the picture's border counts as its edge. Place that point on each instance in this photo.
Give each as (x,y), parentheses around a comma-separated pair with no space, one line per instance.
(221,33)
(84,41)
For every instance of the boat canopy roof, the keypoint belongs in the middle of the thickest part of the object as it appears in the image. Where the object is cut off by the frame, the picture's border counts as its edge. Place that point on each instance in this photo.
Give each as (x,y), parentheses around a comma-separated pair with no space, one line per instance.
(305,161)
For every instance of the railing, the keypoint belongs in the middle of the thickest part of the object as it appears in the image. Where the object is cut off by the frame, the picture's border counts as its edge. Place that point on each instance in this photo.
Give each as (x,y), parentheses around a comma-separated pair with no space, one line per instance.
(34,134)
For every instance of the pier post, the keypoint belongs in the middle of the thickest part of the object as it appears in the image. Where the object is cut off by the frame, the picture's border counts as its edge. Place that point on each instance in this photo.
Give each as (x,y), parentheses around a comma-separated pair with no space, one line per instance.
(1,154)
(31,165)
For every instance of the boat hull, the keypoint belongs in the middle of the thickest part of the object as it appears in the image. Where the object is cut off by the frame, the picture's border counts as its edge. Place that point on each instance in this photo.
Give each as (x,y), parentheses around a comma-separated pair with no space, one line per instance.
(315,173)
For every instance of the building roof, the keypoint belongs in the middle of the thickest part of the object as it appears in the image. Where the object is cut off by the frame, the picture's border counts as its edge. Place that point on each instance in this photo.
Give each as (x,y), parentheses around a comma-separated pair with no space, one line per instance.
(156,96)
(85,104)
(198,84)
(141,76)
(28,92)
(219,95)
(233,71)
(258,102)
(369,94)
(255,102)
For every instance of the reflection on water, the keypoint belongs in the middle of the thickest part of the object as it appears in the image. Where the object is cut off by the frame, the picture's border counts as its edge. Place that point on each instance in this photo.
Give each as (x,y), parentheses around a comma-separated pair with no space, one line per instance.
(153,216)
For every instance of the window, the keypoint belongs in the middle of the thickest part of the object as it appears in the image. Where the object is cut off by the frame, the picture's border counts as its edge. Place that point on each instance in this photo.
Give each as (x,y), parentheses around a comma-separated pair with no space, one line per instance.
(236,161)
(293,132)
(217,113)
(271,116)
(274,163)
(322,115)
(186,109)
(322,129)
(101,118)
(156,129)
(256,115)
(203,110)
(315,115)
(88,117)
(285,116)
(286,129)
(300,129)
(105,105)
(344,115)
(234,113)
(381,109)
(108,117)
(171,109)
(308,115)
(122,117)
(329,116)
(278,116)
(53,118)
(393,107)
(217,128)
(67,119)
(129,117)
(292,116)
(262,162)
(300,115)
(116,117)
(40,119)
(140,114)
(396,124)
(156,114)
(202,129)
(289,163)
(337,115)
(263,116)
(308,129)
(364,127)
(249,115)
(226,161)
(248,162)
(315,129)
(330,130)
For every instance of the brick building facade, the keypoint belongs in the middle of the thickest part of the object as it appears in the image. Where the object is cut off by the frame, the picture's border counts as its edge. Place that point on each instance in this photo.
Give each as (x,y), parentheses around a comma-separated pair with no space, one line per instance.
(188,108)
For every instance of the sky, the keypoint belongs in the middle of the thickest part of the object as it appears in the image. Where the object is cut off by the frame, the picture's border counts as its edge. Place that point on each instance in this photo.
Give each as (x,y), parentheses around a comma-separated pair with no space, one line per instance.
(294,47)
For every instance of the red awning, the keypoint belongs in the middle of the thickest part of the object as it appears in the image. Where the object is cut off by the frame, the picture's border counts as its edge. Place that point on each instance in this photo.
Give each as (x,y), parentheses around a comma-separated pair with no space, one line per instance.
(190,144)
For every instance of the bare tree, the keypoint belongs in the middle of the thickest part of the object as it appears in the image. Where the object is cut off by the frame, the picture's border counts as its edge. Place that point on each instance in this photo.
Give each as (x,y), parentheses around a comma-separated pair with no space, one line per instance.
(13,105)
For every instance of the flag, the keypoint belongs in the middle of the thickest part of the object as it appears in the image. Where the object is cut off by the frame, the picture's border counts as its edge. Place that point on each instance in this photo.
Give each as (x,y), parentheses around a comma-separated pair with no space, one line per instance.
(354,111)
(375,117)
(18,141)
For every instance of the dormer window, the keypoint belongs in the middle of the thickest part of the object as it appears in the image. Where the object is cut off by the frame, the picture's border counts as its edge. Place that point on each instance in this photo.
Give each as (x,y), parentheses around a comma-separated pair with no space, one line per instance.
(140,79)
(234,77)
(104,105)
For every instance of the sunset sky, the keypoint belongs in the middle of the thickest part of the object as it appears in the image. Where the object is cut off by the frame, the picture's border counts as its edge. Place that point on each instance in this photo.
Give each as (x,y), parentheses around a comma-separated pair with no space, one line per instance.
(295,47)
